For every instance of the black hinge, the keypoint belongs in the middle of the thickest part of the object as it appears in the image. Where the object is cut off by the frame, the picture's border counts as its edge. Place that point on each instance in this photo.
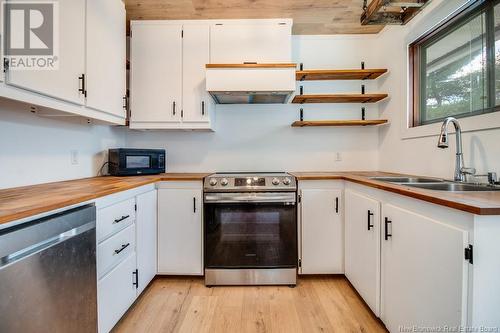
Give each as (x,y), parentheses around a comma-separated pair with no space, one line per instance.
(300,262)
(469,254)
(5,65)
(135,207)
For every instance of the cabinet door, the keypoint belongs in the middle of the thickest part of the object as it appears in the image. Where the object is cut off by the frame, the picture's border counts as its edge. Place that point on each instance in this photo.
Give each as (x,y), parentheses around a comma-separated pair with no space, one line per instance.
(362,246)
(106,58)
(196,54)
(146,222)
(180,232)
(156,73)
(115,293)
(322,234)
(424,273)
(64,82)
(239,43)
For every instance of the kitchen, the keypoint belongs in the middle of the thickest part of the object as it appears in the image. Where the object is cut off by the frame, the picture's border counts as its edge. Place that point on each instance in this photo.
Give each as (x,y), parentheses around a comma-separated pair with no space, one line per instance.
(317,228)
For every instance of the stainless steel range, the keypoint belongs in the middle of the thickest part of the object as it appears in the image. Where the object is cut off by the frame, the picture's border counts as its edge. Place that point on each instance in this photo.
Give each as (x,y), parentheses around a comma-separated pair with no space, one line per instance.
(250,222)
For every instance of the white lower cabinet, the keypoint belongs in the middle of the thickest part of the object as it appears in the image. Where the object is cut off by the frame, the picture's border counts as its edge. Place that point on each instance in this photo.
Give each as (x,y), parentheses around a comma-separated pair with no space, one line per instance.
(126,251)
(424,273)
(321,228)
(362,246)
(115,293)
(180,232)
(406,259)
(146,238)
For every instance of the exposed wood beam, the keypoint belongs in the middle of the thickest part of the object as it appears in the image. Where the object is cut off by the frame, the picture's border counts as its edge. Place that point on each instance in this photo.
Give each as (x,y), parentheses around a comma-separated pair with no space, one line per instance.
(391,12)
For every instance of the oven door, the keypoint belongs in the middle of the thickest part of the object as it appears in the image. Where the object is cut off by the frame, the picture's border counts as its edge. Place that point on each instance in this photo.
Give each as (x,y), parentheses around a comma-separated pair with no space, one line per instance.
(250,230)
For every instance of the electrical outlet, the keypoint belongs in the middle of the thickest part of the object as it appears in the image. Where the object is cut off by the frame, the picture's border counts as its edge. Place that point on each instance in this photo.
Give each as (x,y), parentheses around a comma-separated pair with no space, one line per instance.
(338,157)
(74,157)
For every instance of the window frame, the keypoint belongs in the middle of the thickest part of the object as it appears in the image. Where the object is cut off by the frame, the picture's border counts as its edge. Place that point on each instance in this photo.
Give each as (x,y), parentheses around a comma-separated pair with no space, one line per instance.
(415,56)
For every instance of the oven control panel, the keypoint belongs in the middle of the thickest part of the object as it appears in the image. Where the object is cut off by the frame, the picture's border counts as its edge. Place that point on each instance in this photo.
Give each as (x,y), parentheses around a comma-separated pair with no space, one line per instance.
(250,182)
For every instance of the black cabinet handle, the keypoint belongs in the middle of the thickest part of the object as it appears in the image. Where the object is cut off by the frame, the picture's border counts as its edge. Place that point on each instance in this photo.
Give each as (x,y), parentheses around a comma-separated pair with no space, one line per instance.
(82,86)
(194,205)
(203,108)
(173,108)
(136,283)
(370,226)
(336,205)
(124,246)
(386,232)
(121,219)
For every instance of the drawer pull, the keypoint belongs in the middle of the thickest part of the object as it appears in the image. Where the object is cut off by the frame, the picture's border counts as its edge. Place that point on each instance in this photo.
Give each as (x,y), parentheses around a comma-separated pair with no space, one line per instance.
(124,246)
(121,219)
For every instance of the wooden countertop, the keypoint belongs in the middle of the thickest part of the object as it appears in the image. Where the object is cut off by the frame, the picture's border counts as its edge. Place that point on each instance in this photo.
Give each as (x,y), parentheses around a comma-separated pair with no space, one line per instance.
(20,202)
(479,203)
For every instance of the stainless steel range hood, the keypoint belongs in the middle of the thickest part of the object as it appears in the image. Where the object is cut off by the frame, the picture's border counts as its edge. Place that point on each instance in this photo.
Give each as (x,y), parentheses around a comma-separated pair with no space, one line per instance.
(251,83)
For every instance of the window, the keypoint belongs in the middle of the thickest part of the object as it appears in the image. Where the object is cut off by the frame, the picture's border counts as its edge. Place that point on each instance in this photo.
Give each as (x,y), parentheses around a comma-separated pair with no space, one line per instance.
(455,69)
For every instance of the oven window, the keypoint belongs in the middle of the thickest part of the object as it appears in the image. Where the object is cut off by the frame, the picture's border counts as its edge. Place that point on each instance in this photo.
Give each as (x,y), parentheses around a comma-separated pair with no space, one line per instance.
(247,235)
(137,162)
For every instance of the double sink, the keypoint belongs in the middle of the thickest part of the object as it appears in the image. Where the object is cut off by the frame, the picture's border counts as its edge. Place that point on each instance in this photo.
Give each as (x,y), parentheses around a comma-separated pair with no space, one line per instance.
(437,184)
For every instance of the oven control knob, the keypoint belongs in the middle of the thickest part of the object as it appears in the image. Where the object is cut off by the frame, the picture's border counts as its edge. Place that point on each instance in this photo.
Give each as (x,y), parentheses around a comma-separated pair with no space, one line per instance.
(275,181)
(213,181)
(287,181)
(224,182)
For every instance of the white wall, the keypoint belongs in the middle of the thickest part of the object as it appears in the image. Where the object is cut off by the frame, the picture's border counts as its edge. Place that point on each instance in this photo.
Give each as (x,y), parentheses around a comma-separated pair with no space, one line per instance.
(420,155)
(253,137)
(37,149)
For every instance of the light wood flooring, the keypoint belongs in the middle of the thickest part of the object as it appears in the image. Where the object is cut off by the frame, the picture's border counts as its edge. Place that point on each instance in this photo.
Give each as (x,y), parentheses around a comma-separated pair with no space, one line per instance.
(184,304)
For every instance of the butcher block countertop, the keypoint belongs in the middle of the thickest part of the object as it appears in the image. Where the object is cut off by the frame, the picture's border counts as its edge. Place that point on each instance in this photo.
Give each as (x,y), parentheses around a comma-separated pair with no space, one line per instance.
(479,203)
(22,202)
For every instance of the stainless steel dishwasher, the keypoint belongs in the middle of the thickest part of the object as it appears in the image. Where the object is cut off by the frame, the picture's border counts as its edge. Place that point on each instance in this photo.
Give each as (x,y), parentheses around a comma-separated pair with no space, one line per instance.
(48,279)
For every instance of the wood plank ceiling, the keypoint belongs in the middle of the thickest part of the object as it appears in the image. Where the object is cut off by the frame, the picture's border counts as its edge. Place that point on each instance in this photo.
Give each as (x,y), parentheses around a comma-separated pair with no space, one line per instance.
(311,17)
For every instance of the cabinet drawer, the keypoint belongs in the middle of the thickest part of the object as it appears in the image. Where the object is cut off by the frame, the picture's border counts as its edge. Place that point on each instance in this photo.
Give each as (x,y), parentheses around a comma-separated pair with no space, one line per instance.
(115,293)
(114,218)
(115,249)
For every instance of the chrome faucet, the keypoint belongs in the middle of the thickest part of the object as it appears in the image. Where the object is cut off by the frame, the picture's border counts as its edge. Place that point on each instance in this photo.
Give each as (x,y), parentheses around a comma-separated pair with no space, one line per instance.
(461,171)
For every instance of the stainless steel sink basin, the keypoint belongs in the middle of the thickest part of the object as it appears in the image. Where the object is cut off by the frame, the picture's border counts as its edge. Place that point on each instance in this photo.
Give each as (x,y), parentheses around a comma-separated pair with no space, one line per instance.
(453,187)
(436,184)
(404,180)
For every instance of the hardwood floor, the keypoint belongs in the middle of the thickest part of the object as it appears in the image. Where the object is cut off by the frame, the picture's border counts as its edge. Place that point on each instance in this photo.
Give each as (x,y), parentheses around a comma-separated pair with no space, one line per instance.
(317,304)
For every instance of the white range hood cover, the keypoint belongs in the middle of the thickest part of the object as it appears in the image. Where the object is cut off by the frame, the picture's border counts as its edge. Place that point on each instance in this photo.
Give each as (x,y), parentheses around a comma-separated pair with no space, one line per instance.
(251,83)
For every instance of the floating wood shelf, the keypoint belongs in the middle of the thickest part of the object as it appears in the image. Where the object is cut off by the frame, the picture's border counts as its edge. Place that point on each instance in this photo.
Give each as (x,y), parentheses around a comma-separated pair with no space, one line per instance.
(251,65)
(339,123)
(339,74)
(339,98)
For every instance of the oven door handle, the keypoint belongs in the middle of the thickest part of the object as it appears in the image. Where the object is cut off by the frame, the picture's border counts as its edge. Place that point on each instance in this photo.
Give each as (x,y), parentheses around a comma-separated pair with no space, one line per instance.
(286,198)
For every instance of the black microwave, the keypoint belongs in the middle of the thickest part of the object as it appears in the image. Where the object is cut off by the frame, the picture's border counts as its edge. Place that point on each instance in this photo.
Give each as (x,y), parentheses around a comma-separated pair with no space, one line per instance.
(128,161)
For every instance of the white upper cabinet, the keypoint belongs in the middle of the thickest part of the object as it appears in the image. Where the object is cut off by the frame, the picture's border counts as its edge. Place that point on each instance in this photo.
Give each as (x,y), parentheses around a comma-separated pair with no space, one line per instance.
(321,231)
(362,246)
(90,80)
(65,83)
(197,103)
(424,273)
(106,56)
(156,74)
(261,41)
(167,82)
